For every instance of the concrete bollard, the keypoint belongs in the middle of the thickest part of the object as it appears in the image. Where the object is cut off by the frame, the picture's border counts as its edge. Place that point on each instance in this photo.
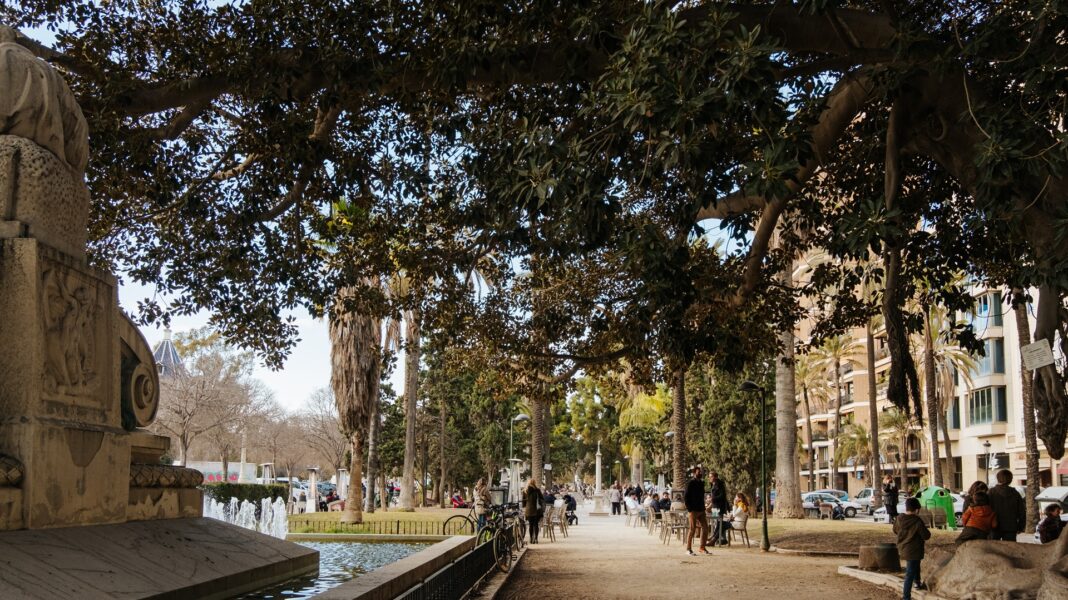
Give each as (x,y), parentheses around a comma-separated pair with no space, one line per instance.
(880,557)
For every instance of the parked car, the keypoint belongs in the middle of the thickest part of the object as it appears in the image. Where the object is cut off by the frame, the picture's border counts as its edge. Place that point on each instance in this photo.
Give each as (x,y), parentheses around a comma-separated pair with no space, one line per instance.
(325,487)
(864,498)
(840,494)
(812,500)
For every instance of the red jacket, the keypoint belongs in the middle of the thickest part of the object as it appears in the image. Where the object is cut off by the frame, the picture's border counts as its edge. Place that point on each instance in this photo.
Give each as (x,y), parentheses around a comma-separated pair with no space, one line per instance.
(979,517)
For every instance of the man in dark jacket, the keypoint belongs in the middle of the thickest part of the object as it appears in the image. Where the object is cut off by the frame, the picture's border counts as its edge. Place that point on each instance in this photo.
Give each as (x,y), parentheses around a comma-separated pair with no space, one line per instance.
(911,535)
(719,502)
(890,497)
(695,506)
(1008,507)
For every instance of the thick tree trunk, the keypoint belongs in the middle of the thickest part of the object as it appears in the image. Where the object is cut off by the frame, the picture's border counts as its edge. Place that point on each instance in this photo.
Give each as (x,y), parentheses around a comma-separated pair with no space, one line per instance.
(225,466)
(353,512)
(807,416)
(1023,334)
(678,441)
(537,439)
(932,400)
(787,477)
(943,408)
(411,396)
(441,449)
(546,450)
(873,416)
(384,495)
(837,422)
(372,457)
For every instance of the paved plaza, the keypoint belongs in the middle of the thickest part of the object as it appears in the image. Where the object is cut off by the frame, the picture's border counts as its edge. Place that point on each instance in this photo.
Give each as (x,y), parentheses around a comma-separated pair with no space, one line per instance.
(604,559)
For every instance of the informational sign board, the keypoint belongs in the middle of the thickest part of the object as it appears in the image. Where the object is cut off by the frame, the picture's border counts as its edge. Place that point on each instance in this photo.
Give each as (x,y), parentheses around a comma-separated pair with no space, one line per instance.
(1037,355)
(548,467)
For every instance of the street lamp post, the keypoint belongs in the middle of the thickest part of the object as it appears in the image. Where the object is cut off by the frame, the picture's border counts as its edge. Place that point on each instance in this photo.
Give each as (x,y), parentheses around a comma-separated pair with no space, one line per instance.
(986,446)
(749,386)
(511,433)
(619,472)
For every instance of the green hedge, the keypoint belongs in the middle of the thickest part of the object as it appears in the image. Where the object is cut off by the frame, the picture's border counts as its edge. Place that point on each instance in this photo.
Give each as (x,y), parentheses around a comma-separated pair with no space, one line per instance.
(253,492)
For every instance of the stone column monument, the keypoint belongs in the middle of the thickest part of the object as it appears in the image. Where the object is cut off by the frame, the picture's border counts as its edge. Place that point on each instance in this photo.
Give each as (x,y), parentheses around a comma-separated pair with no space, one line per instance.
(599,509)
(79,474)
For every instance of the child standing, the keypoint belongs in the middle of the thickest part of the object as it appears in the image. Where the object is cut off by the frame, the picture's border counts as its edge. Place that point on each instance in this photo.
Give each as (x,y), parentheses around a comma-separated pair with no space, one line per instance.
(979,519)
(911,535)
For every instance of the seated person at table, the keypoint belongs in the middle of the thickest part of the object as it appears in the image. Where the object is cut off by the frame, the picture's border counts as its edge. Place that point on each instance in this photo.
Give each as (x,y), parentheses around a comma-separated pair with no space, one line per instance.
(739,514)
(631,503)
(654,505)
(665,502)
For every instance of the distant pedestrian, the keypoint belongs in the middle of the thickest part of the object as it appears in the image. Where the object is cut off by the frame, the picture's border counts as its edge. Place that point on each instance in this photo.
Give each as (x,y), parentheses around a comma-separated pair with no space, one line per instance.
(533,508)
(695,506)
(978,520)
(615,496)
(1051,526)
(890,495)
(911,535)
(1009,507)
(482,501)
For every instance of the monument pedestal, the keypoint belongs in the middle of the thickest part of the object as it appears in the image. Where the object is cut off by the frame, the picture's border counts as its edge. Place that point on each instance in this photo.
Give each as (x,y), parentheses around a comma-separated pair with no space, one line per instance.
(86,508)
(600,507)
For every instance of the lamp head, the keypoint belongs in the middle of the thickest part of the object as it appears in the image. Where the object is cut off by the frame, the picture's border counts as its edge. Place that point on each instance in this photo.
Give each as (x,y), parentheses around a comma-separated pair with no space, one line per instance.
(749,386)
(669,434)
(520,417)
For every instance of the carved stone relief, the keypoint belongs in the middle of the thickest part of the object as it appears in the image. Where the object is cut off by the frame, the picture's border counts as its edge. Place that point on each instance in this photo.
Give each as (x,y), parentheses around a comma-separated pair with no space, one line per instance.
(70,310)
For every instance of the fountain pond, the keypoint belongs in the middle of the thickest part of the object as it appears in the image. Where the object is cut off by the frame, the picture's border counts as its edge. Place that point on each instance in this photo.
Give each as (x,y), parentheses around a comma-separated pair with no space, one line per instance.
(338,561)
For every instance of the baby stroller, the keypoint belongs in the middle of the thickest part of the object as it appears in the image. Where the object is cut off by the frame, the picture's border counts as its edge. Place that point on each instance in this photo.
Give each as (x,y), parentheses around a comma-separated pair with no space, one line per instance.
(837,513)
(569,509)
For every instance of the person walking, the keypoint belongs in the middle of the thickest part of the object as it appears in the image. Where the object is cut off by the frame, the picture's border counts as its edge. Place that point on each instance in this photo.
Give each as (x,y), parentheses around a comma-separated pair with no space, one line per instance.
(890,493)
(1009,508)
(719,503)
(694,499)
(482,501)
(615,496)
(533,508)
(911,535)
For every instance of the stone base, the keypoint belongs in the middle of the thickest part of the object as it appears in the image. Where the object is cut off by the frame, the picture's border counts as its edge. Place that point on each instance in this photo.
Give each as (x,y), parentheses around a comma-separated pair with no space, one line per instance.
(202,558)
(147,504)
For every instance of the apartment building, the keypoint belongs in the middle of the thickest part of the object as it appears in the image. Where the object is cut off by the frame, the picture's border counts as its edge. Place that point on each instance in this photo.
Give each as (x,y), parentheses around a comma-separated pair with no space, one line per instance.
(985,418)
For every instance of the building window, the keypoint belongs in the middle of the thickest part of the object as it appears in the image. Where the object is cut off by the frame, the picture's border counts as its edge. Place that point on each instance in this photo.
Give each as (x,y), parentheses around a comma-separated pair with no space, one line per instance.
(993,361)
(986,312)
(987,405)
(954,413)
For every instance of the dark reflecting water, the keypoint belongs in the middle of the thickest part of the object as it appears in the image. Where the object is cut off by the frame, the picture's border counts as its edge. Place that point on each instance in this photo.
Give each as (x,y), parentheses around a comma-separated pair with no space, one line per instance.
(338,563)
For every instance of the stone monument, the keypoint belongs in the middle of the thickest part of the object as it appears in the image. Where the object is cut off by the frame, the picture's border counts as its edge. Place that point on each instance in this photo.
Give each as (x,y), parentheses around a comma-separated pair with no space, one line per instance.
(78,382)
(599,508)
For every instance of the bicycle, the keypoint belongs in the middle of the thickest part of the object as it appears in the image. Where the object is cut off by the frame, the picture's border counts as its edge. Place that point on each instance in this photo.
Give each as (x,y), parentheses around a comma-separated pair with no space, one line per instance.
(508,530)
(465,524)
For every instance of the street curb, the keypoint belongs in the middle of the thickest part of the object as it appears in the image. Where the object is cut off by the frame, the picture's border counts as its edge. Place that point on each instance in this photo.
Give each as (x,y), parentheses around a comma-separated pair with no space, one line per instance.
(886,580)
(817,553)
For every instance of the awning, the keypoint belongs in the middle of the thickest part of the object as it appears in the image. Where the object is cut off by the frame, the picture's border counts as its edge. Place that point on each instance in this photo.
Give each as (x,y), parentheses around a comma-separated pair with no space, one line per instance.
(1062,468)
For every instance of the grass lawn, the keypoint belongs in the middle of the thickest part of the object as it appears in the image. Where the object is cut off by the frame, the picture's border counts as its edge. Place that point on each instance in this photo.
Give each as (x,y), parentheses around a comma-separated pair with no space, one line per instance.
(834,536)
(420,514)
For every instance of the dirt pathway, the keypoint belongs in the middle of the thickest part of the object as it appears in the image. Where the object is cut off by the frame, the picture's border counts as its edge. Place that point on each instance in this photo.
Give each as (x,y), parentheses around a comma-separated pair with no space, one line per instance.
(604,559)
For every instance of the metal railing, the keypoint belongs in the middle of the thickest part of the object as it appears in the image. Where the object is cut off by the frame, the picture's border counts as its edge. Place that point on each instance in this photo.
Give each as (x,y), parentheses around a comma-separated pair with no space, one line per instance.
(307,525)
(457,578)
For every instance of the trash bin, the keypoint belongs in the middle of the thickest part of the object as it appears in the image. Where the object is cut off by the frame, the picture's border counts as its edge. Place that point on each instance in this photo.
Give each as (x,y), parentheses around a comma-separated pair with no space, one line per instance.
(935,498)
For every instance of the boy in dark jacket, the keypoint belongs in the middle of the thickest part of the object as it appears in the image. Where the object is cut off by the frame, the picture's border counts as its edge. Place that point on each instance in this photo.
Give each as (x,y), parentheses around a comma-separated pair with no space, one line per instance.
(911,535)
(1008,505)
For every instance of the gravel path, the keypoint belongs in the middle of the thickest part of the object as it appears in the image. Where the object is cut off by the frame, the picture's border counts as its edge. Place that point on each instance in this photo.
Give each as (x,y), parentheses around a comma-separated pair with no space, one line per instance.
(604,559)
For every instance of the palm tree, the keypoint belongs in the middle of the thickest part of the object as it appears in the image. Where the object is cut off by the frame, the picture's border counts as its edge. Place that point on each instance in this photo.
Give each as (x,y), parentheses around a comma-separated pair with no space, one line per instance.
(855,444)
(355,362)
(896,427)
(834,351)
(641,410)
(810,377)
(1023,334)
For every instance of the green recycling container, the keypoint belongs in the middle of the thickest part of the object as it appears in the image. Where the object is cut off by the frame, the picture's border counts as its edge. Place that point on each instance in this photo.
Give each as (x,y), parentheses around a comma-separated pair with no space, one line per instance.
(935,498)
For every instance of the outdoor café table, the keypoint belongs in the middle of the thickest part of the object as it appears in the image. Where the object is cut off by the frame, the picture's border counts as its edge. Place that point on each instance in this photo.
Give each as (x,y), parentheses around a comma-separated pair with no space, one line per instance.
(715,520)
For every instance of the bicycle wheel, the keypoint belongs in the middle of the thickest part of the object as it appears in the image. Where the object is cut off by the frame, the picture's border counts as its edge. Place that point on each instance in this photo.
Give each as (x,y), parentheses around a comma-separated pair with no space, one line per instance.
(458,525)
(485,534)
(519,532)
(502,549)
